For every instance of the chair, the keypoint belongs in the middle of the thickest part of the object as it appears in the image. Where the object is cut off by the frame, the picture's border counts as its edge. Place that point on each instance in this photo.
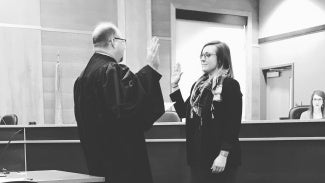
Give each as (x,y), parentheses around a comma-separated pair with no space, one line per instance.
(9,119)
(296,112)
(169,116)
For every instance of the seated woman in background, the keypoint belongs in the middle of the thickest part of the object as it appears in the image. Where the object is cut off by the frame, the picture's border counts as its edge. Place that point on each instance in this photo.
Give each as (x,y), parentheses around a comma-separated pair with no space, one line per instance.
(316,110)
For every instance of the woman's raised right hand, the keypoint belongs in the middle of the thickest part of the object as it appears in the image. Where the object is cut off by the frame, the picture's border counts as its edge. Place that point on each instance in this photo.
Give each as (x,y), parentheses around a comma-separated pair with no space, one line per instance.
(176,75)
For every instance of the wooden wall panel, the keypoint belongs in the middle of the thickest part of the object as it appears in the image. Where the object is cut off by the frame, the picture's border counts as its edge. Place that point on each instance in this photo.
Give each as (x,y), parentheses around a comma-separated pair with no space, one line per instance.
(68,69)
(14,158)
(68,116)
(49,115)
(57,156)
(66,99)
(20,12)
(48,100)
(77,14)
(66,84)
(66,40)
(136,33)
(48,85)
(30,52)
(160,18)
(165,67)
(168,162)
(75,51)
(22,89)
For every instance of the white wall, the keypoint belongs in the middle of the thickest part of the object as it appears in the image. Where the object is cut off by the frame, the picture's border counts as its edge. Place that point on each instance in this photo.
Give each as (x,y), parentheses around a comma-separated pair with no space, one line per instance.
(306,52)
(281,16)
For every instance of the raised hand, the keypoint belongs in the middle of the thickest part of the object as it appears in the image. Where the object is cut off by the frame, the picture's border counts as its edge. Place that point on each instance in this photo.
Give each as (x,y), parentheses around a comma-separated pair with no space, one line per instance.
(176,75)
(153,53)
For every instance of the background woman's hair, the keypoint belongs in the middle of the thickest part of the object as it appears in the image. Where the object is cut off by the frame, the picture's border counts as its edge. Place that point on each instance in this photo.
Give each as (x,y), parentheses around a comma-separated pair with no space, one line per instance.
(223,55)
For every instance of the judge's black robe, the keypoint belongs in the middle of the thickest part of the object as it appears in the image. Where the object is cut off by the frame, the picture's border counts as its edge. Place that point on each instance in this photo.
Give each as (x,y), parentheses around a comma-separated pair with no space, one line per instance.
(113,108)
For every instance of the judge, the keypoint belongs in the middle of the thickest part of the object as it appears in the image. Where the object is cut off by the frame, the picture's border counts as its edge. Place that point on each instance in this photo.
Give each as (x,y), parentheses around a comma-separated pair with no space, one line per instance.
(113,108)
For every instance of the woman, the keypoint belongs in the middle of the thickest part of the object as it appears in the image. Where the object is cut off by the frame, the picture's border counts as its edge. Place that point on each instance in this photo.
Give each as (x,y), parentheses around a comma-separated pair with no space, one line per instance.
(213,117)
(316,110)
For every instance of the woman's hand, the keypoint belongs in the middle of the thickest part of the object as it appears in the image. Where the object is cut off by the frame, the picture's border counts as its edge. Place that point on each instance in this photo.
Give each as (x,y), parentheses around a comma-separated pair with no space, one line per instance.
(153,55)
(219,164)
(176,76)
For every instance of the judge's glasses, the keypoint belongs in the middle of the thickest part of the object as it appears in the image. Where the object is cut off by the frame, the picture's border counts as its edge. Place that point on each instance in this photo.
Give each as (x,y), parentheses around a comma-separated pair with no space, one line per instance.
(120,39)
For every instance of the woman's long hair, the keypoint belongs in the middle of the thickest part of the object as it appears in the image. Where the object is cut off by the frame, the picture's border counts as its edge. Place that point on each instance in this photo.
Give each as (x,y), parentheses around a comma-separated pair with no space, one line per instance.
(223,56)
(321,94)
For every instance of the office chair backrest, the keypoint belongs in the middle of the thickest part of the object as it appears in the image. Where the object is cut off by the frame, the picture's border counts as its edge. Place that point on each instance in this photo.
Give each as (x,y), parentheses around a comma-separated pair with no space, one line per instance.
(169,116)
(9,119)
(296,112)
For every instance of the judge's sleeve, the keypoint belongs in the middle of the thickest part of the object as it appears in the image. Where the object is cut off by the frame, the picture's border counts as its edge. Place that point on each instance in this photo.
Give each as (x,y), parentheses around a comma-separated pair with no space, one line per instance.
(153,102)
(133,98)
(76,98)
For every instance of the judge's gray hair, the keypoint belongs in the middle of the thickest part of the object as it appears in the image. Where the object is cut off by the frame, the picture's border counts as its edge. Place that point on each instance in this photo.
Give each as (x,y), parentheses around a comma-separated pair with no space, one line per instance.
(103,33)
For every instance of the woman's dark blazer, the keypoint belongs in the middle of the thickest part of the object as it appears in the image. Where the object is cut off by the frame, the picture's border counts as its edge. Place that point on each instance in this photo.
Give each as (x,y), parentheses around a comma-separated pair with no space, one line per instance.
(219,131)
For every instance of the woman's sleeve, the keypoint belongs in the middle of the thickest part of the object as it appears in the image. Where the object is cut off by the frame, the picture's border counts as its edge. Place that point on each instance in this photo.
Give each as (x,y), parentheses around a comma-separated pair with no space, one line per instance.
(232,97)
(180,105)
(305,115)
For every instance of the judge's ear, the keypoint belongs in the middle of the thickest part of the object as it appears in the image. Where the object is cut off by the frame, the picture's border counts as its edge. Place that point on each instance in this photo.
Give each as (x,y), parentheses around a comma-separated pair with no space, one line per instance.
(111,42)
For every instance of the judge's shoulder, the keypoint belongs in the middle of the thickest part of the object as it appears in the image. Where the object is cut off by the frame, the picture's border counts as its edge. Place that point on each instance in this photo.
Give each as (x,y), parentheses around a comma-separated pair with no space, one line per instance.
(114,67)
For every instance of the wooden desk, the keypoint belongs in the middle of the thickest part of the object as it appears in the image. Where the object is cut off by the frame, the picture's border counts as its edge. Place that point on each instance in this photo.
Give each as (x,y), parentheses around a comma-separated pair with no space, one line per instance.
(272,151)
(51,176)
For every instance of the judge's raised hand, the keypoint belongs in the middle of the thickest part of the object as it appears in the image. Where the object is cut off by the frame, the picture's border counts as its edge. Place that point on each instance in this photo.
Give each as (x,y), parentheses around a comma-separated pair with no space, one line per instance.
(176,75)
(152,53)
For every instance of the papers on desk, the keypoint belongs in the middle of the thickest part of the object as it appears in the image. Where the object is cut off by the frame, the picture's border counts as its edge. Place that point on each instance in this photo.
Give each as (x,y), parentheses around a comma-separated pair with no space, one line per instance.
(169,106)
(8,179)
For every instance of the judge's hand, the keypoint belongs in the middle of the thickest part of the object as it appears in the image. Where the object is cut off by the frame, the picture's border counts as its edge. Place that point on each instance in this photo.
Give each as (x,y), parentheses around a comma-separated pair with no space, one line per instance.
(176,75)
(219,164)
(152,53)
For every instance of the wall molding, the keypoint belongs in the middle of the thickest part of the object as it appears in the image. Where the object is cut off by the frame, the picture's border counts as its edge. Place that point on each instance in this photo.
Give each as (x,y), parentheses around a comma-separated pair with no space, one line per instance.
(170,140)
(292,34)
(165,140)
(13,142)
(250,139)
(165,38)
(34,27)
(213,17)
(20,26)
(67,31)
(280,139)
(52,141)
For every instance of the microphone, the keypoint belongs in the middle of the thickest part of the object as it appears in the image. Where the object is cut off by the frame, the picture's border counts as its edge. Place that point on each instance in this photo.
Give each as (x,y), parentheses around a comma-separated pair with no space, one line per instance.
(3,170)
